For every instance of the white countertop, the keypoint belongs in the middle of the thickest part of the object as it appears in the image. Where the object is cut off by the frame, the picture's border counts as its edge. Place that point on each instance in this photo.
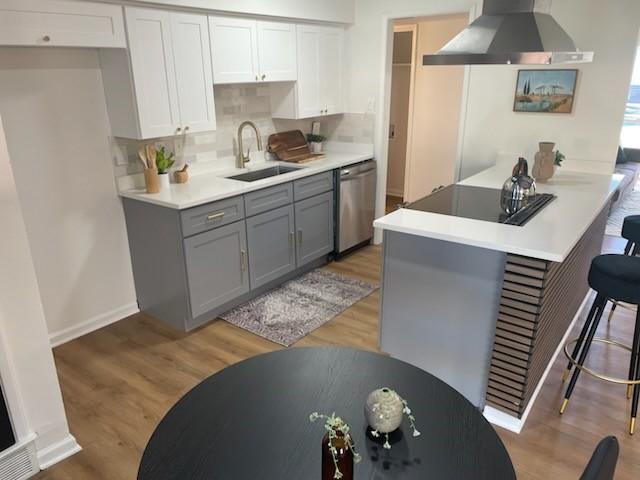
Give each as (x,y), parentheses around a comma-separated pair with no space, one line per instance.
(549,235)
(209,187)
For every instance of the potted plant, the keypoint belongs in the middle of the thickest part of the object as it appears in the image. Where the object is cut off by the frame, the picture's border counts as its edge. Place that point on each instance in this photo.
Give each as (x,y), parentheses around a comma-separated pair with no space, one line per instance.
(315,142)
(164,162)
(338,452)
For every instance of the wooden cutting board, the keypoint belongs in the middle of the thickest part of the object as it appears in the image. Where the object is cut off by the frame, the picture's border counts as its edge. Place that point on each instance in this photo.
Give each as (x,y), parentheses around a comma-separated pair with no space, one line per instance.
(292,147)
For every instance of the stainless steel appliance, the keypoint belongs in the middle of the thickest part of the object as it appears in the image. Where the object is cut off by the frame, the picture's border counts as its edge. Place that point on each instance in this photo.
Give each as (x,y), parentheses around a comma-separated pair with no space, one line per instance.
(511,32)
(356,199)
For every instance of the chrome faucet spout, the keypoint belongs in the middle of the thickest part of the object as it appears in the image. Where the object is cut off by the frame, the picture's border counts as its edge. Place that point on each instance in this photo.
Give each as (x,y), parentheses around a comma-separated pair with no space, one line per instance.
(242,158)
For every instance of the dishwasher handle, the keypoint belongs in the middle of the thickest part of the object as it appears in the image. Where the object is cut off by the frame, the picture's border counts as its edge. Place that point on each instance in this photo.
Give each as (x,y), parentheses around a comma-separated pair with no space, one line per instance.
(358,169)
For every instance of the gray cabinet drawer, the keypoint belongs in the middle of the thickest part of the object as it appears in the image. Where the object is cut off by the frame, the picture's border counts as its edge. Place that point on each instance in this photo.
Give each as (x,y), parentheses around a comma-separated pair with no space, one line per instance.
(313,185)
(212,215)
(268,198)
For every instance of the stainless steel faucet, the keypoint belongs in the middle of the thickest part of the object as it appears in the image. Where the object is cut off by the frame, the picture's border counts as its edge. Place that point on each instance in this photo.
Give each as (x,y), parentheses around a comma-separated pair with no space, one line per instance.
(242,158)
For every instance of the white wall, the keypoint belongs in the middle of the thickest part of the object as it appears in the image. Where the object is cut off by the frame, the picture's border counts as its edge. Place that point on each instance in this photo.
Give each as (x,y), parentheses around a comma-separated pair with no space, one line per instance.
(52,103)
(340,11)
(32,386)
(589,136)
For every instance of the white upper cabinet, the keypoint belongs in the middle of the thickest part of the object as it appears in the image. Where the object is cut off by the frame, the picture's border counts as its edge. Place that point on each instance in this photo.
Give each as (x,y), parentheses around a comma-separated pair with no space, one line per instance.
(277,52)
(194,76)
(318,90)
(245,50)
(164,86)
(61,23)
(153,70)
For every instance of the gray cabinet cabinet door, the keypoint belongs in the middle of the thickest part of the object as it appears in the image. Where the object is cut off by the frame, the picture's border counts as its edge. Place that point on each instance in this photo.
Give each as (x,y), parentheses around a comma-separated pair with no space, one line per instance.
(271,245)
(314,228)
(216,267)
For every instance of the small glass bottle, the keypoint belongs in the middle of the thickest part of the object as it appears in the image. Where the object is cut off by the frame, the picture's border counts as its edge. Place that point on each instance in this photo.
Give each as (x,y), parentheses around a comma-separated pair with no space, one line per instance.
(343,457)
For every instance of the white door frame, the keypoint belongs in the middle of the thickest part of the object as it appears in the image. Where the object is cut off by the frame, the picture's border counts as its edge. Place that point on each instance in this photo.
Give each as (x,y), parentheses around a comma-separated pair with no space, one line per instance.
(381,146)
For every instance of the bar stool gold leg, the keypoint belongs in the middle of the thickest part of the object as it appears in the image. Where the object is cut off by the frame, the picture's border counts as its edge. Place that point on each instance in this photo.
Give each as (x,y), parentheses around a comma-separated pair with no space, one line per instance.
(629,391)
(565,402)
(632,425)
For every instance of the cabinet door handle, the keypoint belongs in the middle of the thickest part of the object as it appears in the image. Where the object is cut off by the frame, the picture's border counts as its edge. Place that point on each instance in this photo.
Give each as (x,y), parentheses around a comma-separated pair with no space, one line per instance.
(299,236)
(178,130)
(292,238)
(243,260)
(263,76)
(46,38)
(215,216)
(257,78)
(186,128)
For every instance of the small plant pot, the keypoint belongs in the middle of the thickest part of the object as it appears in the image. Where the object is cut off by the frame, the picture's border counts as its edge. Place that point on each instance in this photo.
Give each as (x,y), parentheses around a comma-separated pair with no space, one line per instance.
(163,180)
(316,147)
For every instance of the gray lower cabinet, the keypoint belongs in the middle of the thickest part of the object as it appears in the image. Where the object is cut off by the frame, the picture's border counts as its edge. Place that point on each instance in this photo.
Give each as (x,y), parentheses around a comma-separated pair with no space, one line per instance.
(192,265)
(216,264)
(271,245)
(314,227)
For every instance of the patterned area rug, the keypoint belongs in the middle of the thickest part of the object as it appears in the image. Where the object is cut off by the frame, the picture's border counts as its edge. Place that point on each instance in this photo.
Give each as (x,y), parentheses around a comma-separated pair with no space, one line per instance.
(630,206)
(298,307)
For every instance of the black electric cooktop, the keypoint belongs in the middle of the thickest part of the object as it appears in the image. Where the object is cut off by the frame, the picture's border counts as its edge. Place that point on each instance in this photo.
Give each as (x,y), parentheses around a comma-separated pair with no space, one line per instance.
(478,203)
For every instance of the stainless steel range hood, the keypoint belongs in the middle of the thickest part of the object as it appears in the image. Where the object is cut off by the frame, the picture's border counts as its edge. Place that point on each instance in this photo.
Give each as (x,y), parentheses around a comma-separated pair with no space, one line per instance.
(511,32)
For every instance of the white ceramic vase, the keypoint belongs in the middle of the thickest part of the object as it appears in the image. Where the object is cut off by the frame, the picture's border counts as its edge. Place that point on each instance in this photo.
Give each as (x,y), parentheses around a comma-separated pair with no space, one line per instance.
(383,410)
(163,180)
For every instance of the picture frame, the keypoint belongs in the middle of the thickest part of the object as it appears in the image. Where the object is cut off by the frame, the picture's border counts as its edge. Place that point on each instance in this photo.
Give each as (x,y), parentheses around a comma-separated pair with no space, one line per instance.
(545,91)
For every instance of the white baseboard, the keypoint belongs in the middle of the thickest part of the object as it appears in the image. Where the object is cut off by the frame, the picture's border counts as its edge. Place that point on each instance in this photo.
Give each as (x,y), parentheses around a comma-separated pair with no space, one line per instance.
(515,424)
(57,452)
(95,323)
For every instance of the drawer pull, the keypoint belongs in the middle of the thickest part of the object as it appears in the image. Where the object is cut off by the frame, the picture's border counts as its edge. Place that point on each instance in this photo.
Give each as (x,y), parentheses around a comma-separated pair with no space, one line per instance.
(46,38)
(243,260)
(215,216)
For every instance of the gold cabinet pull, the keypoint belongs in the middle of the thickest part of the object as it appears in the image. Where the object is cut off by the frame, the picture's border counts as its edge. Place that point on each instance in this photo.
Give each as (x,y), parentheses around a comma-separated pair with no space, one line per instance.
(215,216)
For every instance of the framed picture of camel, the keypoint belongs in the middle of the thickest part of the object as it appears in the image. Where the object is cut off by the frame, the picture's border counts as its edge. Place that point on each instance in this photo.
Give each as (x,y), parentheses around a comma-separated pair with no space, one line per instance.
(545,91)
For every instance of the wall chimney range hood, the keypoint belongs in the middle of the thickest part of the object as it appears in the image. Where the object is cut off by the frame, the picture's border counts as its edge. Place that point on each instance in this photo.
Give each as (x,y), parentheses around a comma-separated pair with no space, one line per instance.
(520,32)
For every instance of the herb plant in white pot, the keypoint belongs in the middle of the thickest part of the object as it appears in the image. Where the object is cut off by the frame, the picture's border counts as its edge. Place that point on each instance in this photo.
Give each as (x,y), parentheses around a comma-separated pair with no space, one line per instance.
(315,142)
(164,162)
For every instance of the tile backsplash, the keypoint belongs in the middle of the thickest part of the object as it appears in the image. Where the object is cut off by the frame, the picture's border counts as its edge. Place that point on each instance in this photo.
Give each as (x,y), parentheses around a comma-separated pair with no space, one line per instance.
(235,104)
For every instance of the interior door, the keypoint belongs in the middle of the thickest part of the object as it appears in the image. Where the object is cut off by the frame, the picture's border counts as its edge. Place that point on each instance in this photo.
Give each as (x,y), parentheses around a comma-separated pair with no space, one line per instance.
(194,77)
(277,52)
(234,49)
(331,70)
(154,76)
(308,85)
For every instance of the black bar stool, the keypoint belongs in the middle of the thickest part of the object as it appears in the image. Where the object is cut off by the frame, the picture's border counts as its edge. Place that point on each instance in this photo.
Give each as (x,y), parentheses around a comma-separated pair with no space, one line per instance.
(630,231)
(613,277)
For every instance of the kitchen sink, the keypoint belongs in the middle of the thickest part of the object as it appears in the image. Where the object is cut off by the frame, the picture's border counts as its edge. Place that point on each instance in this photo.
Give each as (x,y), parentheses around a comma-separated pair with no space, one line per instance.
(264,173)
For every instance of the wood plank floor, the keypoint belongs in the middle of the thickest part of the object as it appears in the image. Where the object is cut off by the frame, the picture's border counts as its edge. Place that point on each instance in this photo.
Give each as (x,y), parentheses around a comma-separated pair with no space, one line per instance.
(118,382)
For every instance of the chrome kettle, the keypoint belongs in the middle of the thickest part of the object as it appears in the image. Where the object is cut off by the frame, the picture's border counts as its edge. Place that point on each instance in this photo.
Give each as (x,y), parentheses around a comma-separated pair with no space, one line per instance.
(519,189)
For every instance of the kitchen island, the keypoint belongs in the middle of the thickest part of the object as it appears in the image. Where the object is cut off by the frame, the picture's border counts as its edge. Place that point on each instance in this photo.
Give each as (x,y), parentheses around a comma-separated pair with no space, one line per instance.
(483,305)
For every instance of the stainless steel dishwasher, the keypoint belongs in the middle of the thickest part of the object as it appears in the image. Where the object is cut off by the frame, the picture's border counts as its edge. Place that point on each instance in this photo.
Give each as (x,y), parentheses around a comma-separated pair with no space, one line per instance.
(356,200)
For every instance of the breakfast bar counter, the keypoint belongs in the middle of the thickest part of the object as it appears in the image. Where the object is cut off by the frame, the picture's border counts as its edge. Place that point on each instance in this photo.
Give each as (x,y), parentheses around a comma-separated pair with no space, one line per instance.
(484,305)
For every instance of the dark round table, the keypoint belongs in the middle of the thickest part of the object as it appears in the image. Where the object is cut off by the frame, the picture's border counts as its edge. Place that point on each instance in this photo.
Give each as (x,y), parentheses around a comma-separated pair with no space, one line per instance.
(250,421)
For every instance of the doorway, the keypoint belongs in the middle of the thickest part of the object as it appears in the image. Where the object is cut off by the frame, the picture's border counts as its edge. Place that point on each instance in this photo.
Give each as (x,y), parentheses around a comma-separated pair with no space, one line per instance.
(424,110)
